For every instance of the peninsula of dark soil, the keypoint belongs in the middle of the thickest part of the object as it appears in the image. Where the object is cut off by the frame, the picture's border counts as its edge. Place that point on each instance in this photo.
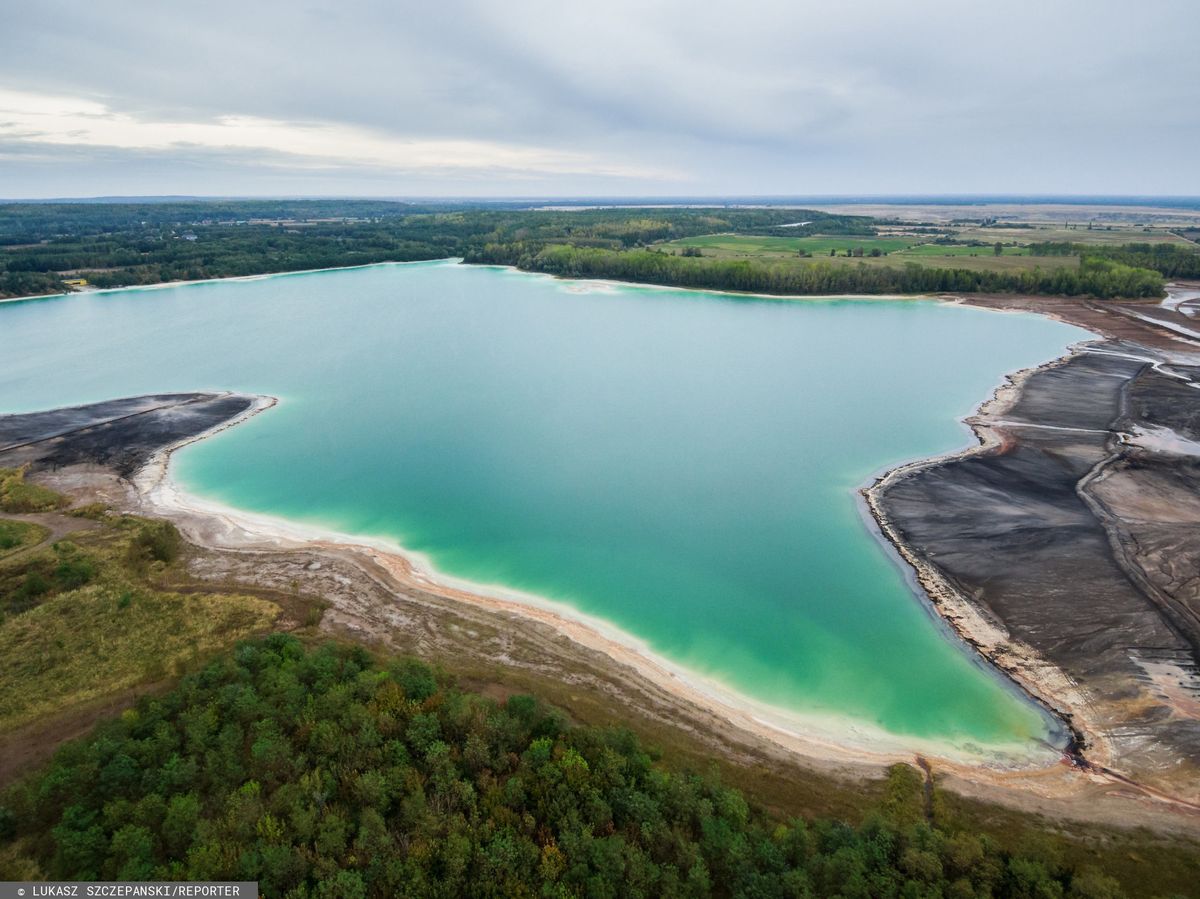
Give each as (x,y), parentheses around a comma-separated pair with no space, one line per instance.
(1075,532)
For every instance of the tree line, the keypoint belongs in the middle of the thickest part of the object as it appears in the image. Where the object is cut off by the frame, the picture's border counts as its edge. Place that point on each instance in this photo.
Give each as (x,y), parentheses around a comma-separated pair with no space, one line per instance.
(123,244)
(327,773)
(1169,260)
(1096,277)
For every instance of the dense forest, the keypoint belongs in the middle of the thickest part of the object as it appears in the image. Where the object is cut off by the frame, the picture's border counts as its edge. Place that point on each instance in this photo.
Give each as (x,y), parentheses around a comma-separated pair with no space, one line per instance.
(1170,260)
(22,223)
(1095,276)
(122,244)
(31,222)
(326,773)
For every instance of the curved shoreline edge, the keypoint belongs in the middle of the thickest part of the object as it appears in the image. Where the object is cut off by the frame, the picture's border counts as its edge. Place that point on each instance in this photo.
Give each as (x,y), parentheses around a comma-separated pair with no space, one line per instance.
(215,525)
(458,260)
(162,285)
(1058,546)
(1020,664)
(820,734)
(1090,761)
(1077,785)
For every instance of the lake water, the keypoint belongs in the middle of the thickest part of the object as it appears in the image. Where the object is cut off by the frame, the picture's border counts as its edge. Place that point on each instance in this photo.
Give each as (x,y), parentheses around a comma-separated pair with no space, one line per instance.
(682,465)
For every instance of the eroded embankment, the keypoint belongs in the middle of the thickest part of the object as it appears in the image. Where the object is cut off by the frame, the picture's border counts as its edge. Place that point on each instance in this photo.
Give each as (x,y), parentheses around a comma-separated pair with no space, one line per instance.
(1066,548)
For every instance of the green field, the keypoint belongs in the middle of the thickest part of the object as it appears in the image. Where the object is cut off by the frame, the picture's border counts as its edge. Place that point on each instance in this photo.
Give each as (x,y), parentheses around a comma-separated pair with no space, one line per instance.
(18,495)
(943,250)
(752,245)
(1056,233)
(88,617)
(898,250)
(985,261)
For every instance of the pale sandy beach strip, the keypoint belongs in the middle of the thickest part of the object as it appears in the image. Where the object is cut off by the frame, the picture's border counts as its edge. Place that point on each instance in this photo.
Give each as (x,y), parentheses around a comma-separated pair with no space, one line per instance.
(824,737)
(262,276)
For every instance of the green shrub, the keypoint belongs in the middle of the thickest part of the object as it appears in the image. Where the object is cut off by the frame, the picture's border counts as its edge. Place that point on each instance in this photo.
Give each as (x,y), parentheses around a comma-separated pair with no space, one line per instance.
(12,533)
(34,585)
(74,568)
(157,541)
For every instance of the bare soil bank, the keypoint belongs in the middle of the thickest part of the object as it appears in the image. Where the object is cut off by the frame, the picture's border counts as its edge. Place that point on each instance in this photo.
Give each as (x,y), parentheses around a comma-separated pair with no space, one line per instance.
(1066,547)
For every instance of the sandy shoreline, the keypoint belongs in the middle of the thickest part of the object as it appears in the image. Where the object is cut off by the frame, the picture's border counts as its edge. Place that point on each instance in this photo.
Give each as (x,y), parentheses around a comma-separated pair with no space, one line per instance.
(832,738)
(707,291)
(457,260)
(1034,778)
(1028,776)
(824,737)
(259,277)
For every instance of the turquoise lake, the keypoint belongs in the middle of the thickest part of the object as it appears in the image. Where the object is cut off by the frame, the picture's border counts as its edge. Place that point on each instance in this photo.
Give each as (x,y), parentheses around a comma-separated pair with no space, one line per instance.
(683,465)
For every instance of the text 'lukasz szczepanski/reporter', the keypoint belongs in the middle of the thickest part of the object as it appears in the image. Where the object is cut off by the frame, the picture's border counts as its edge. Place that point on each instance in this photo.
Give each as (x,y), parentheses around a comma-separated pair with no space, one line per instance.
(131,889)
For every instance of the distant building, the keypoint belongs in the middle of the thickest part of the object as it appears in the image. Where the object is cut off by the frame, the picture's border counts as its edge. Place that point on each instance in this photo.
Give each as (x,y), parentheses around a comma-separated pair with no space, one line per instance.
(75,282)
(188,235)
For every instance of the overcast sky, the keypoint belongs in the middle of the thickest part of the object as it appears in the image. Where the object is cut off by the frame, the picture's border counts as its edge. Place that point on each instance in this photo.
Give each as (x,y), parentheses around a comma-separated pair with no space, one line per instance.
(387,98)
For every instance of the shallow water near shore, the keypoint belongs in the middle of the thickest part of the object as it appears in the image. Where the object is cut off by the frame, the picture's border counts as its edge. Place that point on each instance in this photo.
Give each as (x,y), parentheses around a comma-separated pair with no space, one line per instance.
(682,465)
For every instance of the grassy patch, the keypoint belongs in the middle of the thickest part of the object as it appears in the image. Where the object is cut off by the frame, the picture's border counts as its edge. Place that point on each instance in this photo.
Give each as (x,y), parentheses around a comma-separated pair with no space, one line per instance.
(89,617)
(18,495)
(103,638)
(895,252)
(982,263)
(18,535)
(752,245)
(1098,236)
(943,250)
(29,581)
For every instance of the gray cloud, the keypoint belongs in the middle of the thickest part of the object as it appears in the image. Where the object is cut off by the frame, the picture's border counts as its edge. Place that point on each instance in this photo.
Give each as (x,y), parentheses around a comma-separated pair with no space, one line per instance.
(666,97)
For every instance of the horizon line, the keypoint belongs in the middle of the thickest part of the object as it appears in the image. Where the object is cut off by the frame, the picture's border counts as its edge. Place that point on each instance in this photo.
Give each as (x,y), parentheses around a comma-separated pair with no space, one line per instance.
(981,198)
